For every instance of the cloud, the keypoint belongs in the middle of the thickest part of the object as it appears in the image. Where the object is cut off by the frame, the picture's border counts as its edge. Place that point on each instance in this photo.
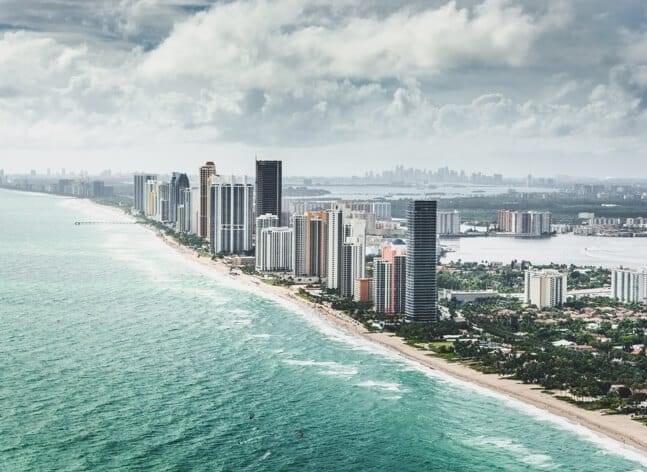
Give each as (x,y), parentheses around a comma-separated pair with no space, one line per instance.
(277,45)
(293,73)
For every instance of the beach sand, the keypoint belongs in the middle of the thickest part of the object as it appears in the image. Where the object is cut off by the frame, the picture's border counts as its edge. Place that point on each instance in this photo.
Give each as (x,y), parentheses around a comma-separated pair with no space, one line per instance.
(618,427)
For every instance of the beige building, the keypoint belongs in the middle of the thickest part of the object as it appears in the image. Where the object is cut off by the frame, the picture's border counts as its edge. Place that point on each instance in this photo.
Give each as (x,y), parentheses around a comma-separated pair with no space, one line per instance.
(545,288)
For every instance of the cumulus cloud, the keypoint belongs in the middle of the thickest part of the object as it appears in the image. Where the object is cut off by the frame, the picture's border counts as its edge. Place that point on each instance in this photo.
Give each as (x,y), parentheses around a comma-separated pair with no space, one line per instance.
(312,73)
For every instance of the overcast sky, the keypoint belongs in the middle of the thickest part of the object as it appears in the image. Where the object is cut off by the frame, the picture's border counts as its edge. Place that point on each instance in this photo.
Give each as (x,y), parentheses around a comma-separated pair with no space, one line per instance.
(331,87)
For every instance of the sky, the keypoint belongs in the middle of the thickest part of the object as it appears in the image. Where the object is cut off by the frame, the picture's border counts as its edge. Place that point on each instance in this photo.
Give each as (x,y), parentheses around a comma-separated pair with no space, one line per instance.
(336,87)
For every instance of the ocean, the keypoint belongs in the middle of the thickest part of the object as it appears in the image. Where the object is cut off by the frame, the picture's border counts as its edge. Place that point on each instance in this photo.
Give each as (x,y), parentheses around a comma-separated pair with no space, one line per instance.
(116,353)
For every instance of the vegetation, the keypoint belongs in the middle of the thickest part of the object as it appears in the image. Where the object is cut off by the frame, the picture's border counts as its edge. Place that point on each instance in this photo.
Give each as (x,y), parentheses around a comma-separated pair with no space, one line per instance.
(605,368)
(476,276)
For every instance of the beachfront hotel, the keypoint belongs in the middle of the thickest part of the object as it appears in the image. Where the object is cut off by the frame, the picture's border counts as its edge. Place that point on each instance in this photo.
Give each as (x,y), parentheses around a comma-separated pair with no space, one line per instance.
(421,303)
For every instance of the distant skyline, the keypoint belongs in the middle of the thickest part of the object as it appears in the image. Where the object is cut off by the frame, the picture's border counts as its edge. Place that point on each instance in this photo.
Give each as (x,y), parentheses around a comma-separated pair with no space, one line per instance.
(497,86)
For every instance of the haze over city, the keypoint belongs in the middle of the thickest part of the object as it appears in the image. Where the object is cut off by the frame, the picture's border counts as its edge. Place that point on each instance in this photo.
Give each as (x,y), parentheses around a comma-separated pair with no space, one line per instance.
(496,85)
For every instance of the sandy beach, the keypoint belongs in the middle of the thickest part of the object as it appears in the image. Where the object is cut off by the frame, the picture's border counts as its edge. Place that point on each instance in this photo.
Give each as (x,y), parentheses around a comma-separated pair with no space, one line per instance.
(618,427)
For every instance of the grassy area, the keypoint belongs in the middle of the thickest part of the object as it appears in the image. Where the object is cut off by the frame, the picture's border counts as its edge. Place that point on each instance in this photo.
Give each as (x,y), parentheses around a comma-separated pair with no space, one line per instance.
(437,346)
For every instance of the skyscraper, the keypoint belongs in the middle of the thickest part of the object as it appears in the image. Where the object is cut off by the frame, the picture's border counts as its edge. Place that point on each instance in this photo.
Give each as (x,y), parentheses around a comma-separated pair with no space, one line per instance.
(422,292)
(346,269)
(151,191)
(207,171)
(274,249)
(391,292)
(179,182)
(299,224)
(310,236)
(316,243)
(183,223)
(335,241)
(139,184)
(399,283)
(269,182)
(195,210)
(382,276)
(232,216)
(263,222)
(162,212)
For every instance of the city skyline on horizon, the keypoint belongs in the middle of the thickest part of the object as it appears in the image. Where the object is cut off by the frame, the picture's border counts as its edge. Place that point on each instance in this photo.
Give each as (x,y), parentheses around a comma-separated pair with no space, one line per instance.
(372,173)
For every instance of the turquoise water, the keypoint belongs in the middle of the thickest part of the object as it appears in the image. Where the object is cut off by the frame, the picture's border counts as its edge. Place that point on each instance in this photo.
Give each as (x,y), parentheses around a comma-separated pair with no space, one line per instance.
(117,354)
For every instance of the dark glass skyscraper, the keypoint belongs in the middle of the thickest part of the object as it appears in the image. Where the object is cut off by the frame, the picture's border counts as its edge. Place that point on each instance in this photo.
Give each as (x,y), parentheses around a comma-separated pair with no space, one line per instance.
(421,303)
(269,182)
(178,183)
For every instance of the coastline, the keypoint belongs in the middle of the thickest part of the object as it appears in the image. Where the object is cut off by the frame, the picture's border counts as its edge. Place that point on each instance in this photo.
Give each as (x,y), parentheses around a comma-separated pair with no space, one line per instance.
(617,427)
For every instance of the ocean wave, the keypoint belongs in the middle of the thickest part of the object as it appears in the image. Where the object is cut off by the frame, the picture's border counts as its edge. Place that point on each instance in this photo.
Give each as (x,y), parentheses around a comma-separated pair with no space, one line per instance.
(328,368)
(384,386)
(515,450)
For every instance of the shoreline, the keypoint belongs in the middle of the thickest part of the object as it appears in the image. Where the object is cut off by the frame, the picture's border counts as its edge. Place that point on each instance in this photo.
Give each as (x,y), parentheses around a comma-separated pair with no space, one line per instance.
(621,428)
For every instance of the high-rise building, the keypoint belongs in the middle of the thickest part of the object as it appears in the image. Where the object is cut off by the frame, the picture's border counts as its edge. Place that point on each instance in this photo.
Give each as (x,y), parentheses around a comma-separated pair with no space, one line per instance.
(207,172)
(183,223)
(381,210)
(269,182)
(274,249)
(195,210)
(335,240)
(399,283)
(262,222)
(394,253)
(346,269)
(163,196)
(524,223)
(421,303)
(151,192)
(363,290)
(309,245)
(232,216)
(449,223)
(545,288)
(139,183)
(179,182)
(629,285)
(316,243)
(382,276)
(352,259)
(299,224)
(266,221)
